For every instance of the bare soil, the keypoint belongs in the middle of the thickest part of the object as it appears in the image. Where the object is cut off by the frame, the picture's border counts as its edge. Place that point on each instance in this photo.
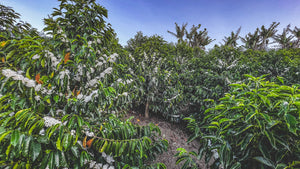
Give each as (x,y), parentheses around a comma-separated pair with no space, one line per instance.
(177,136)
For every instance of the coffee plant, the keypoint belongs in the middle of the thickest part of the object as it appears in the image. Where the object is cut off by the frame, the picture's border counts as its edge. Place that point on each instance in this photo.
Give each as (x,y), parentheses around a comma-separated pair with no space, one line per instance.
(255,125)
(60,93)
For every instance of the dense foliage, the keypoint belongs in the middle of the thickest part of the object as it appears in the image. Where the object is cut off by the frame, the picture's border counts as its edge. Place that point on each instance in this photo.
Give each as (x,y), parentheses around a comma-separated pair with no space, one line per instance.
(60,95)
(63,94)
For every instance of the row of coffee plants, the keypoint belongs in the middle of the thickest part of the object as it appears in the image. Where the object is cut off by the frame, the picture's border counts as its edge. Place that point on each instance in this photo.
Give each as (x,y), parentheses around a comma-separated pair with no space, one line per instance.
(62,93)
(255,125)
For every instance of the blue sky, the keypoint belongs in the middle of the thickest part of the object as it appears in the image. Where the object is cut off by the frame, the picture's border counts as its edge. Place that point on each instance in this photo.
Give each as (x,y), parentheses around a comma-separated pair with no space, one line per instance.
(220,17)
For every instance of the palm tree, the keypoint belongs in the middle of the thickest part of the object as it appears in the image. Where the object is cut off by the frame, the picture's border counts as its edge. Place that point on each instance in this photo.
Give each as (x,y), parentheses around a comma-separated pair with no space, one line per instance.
(265,34)
(202,39)
(180,32)
(252,40)
(231,41)
(296,33)
(190,35)
(284,40)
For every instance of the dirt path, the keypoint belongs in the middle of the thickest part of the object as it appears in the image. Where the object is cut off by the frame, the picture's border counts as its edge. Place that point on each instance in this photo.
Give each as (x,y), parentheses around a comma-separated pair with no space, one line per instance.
(176,137)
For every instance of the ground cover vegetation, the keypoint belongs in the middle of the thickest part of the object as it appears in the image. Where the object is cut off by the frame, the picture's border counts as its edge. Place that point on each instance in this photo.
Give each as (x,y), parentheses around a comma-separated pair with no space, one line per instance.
(64,91)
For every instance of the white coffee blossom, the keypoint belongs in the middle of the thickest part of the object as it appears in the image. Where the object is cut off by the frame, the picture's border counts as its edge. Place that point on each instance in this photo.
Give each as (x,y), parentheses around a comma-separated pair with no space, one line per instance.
(29,82)
(54,60)
(92,83)
(80,96)
(42,132)
(90,43)
(35,57)
(18,77)
(89,134)
(11,114)
(64,73)
(50,121)
(37,98)
(105,166)
(38,87)
(113,57)
(73,132)
(99,64)
(128,81)
(59,31)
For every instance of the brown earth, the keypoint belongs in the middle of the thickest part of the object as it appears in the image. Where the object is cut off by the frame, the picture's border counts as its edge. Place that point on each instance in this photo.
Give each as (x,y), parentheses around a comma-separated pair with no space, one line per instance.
(176,135)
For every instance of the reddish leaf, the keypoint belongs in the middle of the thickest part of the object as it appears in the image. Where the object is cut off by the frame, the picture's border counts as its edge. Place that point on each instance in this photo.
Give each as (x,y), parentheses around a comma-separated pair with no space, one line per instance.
(67,57)
(90,142)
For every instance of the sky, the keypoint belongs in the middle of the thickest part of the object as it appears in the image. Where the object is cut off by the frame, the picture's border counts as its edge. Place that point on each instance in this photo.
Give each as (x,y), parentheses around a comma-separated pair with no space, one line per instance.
(156,17)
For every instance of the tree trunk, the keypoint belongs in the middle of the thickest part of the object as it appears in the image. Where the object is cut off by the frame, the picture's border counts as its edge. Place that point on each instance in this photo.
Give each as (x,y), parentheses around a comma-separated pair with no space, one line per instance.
(147,110)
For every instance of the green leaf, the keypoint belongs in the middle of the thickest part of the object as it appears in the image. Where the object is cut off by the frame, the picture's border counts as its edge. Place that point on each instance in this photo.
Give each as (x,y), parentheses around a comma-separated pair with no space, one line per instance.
(281,166)
(103,147)
(43,62)
(264,161)
(4,134)
(56,159)
(58,144)
(35,150)
(67,141)
(236,166)
(10,54)
(56,98)
(291,123)
(28,73)
(26,146)
(15,137)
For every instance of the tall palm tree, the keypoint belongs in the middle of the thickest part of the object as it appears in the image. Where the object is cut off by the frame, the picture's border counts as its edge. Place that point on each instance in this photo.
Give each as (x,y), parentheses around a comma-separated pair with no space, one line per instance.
(284,40)
(180,32)
(266,33)
(252,41)
(296,33)
(190,35)
(202,39)
(231,40)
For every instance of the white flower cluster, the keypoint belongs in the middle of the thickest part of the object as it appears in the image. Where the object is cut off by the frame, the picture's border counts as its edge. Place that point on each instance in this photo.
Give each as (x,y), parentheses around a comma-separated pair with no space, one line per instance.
(64,73)
(89,134)
(39,87)
(89,97)
(224,64)
(95,165)
(100,62)
(109,159)
(35,57)
(73,132)
(11,114)
(54,60)
(132,58)
(106,71)
(37,98)
(16,76)
(128,81)
(50,121)
(90,43)
(113,57)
